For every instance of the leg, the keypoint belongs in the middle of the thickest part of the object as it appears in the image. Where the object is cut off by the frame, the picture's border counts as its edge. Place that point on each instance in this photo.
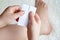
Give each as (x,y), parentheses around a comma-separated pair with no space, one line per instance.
(13,32)
(42,11)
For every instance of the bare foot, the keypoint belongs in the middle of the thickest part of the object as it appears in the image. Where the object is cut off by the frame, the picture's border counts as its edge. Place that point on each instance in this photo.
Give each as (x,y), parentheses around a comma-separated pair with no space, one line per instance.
(33,27)
(42,11)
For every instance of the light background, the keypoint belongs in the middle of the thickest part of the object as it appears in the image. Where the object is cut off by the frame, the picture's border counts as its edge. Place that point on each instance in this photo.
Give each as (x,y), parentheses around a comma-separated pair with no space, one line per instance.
(54,15)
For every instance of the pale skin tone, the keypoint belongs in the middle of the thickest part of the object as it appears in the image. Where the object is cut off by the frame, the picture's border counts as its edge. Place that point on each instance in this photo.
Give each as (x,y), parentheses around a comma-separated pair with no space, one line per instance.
(45,27)
(42,11)
(10,14)
(15,32)
(12,32)
(33,27)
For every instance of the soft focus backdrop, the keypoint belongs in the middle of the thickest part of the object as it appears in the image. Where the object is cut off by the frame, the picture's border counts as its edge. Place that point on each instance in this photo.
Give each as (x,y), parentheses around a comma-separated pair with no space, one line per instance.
(54,15)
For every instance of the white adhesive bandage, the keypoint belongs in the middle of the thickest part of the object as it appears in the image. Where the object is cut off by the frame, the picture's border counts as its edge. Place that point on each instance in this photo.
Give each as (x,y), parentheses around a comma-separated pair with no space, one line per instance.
(23,21)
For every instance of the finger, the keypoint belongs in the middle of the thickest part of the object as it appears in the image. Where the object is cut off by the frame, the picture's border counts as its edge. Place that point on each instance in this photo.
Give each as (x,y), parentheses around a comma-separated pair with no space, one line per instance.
(16,15)
(31,16)
(37,18)
(14,8)
(31,19)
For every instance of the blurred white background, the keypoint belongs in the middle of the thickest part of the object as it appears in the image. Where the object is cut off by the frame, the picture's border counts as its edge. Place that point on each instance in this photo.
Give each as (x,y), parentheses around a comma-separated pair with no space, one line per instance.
(54,15)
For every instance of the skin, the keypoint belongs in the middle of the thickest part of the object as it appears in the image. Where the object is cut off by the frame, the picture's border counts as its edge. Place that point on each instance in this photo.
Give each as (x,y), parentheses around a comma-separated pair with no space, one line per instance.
(42,11)
(10,14)
(12,32)
(16,32)
(36,25)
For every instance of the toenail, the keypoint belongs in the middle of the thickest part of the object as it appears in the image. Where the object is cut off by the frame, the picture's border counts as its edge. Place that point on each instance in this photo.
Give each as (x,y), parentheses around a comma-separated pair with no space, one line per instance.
(44,5)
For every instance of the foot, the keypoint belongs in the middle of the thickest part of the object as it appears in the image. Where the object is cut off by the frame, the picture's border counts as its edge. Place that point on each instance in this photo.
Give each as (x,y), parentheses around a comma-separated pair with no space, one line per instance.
(42,11)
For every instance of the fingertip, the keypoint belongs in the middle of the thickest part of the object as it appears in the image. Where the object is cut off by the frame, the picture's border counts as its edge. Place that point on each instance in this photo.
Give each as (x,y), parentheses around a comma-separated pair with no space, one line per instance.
(30,12)
(30,15)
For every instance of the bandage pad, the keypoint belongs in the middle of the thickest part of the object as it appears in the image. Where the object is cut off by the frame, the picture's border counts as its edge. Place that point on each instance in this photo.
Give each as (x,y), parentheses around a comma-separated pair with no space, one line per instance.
(23,20)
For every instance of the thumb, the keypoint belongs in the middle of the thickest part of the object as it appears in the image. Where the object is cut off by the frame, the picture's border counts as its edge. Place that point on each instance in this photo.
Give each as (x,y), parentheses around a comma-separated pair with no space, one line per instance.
(31,19)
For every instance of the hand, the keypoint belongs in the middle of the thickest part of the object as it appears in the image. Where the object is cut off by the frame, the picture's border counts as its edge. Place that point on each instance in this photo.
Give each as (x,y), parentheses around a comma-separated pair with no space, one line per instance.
(11,14)
(34,26)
